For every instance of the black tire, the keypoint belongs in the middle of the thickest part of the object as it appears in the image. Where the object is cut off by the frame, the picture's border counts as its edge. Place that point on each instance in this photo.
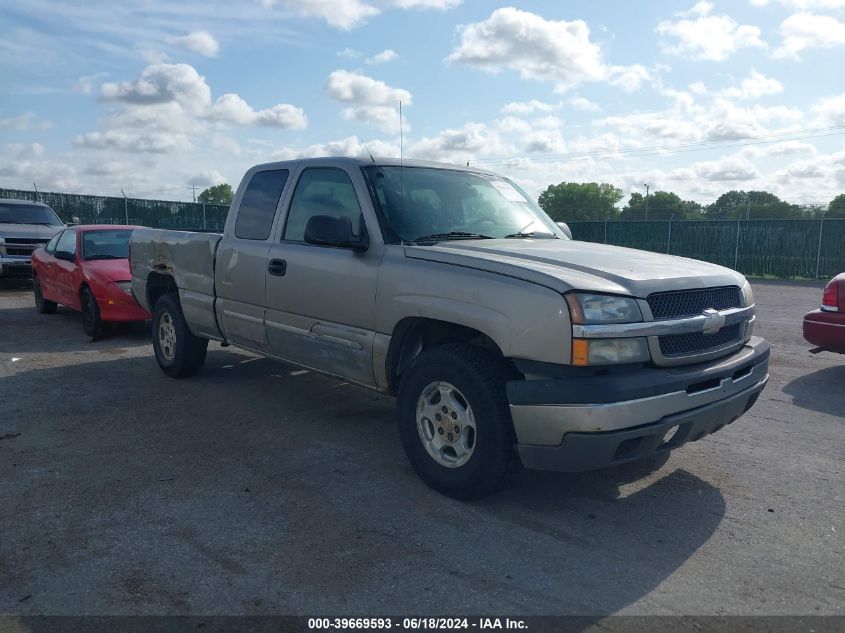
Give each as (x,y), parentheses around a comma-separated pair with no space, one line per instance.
(179,353)
(91,321)
(480,377)
(42,305)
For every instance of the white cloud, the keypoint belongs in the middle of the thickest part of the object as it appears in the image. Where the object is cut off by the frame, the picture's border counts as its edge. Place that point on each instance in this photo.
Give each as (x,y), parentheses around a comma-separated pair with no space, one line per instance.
(830,111)
(85,84)
(370,101)
(206,178)
(756,85)
(700,35)
(527,107)
(134,141)
(201,42)
(730,168)
(162,83)
(24,121)
(805,30)
(349,53)
(341,14)
(231,108)
(349,146)
(803,4)
(539,49)
(457,145)
(387,55)
(352,87)
(440,5)
(581,103)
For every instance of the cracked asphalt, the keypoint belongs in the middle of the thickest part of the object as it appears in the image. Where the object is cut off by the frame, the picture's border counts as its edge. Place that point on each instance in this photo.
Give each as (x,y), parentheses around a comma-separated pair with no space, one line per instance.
(257,488)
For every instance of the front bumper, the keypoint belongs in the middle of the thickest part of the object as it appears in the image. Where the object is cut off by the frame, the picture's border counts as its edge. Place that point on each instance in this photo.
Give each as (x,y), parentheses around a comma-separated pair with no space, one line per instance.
(575,423)
(15,267)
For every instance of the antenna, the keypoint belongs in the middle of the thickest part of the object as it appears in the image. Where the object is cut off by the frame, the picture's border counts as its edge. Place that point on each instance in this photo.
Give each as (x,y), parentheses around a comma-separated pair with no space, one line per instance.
(370,154)
(401,166)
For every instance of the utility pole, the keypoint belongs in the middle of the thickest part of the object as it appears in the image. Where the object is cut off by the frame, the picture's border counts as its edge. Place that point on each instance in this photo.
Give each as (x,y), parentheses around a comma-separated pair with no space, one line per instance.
(125,208)
(646,202)
(193,189)
(36,191)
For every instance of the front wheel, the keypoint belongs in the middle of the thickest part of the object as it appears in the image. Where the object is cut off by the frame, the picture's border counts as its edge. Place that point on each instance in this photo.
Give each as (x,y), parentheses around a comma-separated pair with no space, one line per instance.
(42,305)
(91,321)
(454,421)
(179,353)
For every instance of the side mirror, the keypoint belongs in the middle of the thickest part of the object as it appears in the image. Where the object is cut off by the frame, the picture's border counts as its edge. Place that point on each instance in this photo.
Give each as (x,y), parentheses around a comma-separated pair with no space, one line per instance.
(565,228)
(333,230)
(63,255)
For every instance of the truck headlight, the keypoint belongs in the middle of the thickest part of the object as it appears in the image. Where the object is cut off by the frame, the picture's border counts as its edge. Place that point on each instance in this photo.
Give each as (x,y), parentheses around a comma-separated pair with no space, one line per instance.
(609,351)
(586,309)
(747,295)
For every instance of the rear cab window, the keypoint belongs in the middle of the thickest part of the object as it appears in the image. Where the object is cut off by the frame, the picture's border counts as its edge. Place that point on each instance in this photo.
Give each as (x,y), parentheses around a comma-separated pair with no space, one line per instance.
(258,205)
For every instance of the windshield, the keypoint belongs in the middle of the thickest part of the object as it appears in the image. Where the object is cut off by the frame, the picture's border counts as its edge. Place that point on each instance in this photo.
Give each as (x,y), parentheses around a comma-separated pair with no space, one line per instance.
(450,204)
(28,214)
(106,244)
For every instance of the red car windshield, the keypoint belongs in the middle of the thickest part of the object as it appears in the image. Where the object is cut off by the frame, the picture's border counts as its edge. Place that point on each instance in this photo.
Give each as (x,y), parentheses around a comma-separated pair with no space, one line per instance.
(106,244)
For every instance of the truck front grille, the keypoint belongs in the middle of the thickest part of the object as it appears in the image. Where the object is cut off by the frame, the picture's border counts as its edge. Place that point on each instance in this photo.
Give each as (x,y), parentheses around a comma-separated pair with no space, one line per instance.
(681,303)
(21,247)
(679,345)
(685,303)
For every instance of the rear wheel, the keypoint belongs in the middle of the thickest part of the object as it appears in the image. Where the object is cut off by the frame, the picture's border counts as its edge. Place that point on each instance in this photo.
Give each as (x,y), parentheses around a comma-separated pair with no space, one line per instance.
(42,305)
(454,421)
(91,322)
(179,353)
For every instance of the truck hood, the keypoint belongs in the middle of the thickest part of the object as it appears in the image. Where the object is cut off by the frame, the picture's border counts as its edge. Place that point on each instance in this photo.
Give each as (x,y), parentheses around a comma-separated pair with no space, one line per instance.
(564,265)
(31,231)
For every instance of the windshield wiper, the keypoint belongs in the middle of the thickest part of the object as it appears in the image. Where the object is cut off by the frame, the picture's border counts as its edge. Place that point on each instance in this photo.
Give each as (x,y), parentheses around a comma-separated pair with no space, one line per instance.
(537,234)
(9,222)
(452,235)
(96,257)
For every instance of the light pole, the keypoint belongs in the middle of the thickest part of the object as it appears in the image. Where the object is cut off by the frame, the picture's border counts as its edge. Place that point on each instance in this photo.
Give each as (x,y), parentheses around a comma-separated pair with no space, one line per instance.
(646,202)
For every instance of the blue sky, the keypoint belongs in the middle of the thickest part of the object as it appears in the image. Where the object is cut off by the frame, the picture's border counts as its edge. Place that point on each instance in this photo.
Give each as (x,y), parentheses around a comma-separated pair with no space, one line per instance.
(697,98)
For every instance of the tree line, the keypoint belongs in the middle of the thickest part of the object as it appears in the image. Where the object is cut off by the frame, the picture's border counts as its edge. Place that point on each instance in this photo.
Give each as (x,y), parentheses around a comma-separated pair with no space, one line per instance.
(574,201)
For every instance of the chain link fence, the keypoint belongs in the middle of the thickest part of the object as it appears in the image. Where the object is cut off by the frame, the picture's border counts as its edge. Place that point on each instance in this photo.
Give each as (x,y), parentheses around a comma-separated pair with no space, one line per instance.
(782,249)
(163,214)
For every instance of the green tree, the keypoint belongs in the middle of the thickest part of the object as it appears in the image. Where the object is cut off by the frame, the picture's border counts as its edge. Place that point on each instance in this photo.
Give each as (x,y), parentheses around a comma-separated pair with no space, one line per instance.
(754,205)
(572,201)
(218,194)
(662,205)
(836,208)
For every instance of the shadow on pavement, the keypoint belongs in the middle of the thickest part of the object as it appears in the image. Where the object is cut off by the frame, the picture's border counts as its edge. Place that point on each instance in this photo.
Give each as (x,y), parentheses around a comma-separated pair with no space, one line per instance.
(258,489)
(820,391)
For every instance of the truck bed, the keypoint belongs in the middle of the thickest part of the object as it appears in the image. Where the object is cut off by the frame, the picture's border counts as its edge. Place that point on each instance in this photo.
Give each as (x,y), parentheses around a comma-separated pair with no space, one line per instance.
(188,259)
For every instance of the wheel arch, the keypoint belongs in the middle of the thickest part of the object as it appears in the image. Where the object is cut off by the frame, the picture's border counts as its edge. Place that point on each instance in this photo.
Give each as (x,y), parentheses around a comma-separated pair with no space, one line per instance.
(412,335)
(158,285)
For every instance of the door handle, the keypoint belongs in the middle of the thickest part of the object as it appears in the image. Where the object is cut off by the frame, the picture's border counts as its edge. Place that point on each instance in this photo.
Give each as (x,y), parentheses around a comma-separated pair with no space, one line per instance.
(277,267)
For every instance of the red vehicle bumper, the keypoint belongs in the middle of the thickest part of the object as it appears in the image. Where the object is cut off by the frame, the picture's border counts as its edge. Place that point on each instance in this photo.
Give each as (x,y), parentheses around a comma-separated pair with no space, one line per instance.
(121,309)
(826,330)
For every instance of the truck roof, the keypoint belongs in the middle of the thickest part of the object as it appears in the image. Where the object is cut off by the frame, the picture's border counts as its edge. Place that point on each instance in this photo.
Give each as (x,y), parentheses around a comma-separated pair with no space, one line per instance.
(28,202)
(357,161)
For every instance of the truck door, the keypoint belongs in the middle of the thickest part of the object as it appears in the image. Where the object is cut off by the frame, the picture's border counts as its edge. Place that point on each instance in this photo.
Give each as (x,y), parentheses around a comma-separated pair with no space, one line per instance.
(241,261)
(320,299)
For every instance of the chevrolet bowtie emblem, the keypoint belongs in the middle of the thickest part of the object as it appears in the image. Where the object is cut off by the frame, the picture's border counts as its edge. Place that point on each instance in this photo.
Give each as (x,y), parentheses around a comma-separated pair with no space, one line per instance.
(713,321)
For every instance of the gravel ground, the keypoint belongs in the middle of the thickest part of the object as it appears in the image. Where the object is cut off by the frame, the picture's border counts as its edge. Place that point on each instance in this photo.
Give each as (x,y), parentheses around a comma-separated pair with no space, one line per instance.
(259,489)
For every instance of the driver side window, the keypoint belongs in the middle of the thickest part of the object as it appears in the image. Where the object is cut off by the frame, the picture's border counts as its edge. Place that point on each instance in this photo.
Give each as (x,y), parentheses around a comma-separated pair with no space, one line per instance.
(321,191)
(67,243)
(51,245)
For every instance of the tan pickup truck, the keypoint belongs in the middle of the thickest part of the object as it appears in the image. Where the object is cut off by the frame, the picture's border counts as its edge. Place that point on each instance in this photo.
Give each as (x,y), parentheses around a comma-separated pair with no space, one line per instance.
(506,342)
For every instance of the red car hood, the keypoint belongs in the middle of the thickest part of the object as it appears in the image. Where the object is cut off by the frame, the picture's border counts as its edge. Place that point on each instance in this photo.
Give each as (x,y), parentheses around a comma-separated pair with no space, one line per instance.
(108,269)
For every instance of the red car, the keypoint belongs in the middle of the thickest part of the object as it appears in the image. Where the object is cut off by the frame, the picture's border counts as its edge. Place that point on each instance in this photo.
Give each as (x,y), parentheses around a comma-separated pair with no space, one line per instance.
(86,268)
(825,327)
